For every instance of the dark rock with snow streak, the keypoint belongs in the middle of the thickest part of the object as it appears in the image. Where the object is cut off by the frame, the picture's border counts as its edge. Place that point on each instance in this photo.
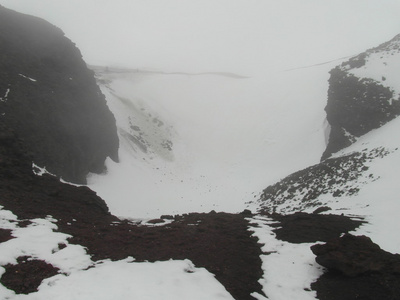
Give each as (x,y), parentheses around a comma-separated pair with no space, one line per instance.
(51,100)
(356,103)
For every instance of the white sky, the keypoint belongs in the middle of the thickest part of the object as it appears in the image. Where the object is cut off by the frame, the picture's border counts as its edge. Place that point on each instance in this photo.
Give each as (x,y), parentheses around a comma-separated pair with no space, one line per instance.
(242,36)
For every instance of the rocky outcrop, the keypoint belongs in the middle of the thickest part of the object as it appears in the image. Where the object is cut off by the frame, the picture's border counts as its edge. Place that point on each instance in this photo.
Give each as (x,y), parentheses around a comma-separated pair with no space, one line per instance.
(356,255)
(333,177)
(307,228)
(357,269)
(363,94)
(50,99)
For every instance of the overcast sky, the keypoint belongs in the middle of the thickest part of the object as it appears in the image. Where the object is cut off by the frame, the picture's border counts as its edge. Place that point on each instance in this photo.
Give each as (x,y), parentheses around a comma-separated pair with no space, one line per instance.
(241,36)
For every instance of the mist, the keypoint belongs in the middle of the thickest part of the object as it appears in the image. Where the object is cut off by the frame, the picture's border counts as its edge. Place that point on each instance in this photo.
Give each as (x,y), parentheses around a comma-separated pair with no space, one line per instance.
(243,37)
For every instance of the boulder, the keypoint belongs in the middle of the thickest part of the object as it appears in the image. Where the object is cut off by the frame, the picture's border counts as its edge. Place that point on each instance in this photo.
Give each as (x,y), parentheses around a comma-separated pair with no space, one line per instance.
(356,255)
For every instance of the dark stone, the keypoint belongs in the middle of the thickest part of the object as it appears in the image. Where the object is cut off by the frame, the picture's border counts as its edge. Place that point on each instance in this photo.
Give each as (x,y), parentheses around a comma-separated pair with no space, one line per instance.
(321,209)
(356,255)
(51,100)
(156,221)
(368,286)
(357,269)
(167,217)
(246,212)
(26,276)
(5,235)
(308,228)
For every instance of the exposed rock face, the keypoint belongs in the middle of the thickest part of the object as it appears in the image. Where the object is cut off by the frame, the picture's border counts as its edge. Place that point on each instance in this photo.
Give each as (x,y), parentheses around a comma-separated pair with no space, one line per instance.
(51,100)
(356,255)
(363,95)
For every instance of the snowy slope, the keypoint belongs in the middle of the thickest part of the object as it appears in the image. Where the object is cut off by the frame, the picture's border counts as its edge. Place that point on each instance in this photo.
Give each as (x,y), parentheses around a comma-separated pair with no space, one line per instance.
(381,64)
(361,179)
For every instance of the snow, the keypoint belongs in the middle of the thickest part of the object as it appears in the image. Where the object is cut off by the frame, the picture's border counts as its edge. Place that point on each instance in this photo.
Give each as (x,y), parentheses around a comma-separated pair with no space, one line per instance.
(4,98)
(40,171)
(128,280)
(26,77)
(230,137)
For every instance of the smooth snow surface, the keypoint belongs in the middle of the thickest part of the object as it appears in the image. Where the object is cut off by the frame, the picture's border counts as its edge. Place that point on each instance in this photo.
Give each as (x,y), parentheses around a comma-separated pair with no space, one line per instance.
(196,143)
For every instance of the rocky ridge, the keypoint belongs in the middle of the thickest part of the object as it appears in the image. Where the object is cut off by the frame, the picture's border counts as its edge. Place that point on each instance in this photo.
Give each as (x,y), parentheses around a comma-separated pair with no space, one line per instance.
(363,95)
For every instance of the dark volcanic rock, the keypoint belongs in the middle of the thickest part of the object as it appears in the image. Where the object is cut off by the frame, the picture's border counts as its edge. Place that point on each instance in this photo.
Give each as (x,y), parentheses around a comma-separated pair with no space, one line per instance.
(358,105)
(51,100)
(308,228)
(26,276)
(370,286)
(358,269)
(5,235)
(355,255)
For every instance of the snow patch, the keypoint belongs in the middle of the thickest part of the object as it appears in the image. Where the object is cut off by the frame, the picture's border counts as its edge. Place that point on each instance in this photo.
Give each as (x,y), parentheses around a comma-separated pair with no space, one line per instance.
(40,171)
(26,77)
(4,98)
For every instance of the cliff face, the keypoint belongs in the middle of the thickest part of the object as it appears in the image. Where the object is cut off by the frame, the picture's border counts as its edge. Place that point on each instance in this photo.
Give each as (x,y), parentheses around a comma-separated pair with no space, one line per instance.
(51,100)
(363,94)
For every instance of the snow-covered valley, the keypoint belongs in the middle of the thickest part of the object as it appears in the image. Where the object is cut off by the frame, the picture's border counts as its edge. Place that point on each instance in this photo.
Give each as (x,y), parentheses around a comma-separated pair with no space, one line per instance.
(207,142)
(220,110)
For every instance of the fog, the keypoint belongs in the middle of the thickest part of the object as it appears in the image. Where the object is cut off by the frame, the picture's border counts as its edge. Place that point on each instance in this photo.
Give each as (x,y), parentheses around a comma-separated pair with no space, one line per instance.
(244,37)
